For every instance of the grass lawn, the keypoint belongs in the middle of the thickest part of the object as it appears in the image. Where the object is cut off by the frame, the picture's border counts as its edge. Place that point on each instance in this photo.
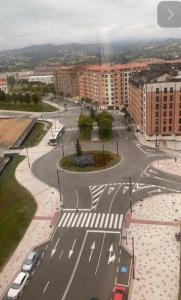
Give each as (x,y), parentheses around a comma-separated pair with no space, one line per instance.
(38,132)
(17,208)
(43,107)
(101,162)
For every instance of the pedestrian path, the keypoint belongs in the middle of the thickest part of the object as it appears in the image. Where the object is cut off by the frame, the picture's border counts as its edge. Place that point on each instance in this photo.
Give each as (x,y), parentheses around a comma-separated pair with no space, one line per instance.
(91,220)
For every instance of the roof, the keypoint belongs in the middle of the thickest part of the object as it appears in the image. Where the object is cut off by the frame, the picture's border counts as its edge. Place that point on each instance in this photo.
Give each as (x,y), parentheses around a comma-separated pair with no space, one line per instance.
(19,278)
(3,82)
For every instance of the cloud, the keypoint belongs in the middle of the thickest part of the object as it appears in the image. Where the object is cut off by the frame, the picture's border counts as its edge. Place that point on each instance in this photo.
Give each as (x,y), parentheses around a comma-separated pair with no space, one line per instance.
(30,22)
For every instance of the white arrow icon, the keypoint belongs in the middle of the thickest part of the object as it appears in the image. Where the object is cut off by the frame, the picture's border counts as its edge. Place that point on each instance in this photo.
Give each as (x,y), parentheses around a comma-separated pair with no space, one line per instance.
(125,189)
(110,190)
(171,14)
(111,259)
(55,248)
(111,249)
(92,249)
(72,250)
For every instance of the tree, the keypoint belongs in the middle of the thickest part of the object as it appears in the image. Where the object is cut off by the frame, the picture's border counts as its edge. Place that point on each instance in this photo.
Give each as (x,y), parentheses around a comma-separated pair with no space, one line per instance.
(36,99)
(2,96)
(78,148)
(11,80)
(105,120)
(85,125)
(92,112)
(27,98)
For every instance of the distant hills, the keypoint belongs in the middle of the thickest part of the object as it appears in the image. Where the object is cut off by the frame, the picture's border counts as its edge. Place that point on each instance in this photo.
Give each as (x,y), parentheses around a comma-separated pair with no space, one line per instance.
(120,52)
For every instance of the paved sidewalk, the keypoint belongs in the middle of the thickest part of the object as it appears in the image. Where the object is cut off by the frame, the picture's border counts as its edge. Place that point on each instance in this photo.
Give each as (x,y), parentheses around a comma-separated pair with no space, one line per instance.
(157,253)
(46,217)
(171,166)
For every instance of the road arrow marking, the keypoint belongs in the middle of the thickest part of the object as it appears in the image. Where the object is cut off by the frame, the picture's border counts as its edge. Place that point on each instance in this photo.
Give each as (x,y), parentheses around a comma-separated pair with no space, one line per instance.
(72,250)
(92,249)
(111,259)
(110,190)
(55,248)
(125,189)
(111,249)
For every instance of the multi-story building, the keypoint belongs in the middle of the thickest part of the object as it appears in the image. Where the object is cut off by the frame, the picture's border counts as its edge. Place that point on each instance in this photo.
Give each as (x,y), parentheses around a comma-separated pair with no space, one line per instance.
(155,102)
(47,79)
(4,86)
(108,84)
(67,81)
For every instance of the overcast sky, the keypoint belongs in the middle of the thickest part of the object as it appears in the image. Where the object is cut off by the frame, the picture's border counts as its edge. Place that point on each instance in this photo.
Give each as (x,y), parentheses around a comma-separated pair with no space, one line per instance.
(30,22)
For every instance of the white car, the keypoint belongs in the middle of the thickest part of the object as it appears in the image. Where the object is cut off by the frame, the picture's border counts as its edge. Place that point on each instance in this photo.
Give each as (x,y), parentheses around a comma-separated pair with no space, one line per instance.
(18,285)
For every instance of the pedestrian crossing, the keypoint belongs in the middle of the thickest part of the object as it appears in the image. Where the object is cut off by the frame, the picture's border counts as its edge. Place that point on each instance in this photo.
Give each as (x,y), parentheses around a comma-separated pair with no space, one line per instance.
(91,220)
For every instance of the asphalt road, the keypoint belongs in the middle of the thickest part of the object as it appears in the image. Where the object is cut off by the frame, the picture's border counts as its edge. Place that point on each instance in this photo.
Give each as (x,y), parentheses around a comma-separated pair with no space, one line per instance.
(84,257)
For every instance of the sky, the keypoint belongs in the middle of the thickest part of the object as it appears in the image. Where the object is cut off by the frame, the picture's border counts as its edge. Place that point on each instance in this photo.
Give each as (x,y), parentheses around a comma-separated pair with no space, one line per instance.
(35,22)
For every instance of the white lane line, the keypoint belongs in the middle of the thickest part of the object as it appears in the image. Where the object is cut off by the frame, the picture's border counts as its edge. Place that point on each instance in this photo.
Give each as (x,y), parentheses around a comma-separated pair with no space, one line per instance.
(84,219)
(66,219)
(46,286)
(74,221)
(100,254)
(62,219)
(106,221)
(97,194)
(97,220)
(115,221)
(111,221)
(69,222)
(77,199)
(42,255)
(89,217)
(102,220)
(79,220)
(38,263)
(95,200)
(93,218)
(61,254)
(120,221)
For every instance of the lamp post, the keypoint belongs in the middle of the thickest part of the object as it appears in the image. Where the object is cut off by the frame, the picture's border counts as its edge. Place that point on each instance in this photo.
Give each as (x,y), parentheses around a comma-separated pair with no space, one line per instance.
(63,152)
(156,140)
(117,141)
(103,154)
(130,192)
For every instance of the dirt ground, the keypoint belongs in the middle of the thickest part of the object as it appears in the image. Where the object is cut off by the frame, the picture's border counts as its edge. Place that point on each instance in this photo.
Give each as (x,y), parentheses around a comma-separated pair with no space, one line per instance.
(11,130)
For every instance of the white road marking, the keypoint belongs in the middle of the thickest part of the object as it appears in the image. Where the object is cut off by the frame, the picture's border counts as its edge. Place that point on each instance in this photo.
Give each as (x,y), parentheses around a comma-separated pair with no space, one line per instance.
(111,221)
(106,221)
(55,248)
(79,220)
(102,220)
(120,221)
(74,221)
(46,286)
(69,222)
(77,199)
(62,219)
(97,220)
(89,217)
(116,220)
(93,247)
(100,254)
(60,255)
(92,222)
(84,219)
(72,250)
(66,219)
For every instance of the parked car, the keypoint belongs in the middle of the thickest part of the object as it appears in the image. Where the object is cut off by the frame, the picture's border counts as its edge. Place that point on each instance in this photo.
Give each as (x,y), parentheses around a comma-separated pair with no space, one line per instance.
(30,261)
(18,285)
(119,293)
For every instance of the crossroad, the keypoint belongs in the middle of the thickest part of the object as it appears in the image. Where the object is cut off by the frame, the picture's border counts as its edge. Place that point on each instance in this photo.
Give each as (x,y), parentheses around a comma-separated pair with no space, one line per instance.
(91,220)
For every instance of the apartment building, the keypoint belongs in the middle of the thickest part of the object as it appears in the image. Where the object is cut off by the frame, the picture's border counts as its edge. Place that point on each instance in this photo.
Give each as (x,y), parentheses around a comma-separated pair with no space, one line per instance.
(155,101)
(47,79)
(4,86)
(67,81)
(108,84)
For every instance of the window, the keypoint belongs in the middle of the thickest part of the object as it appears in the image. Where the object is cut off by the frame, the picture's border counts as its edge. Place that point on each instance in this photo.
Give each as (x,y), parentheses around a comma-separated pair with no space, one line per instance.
(170,128)
(171,105)
(180,121)
(180,113)
(180,105)
(170,121)
(157,114)
(171,90)
(171,97)
(157,106)
(157,90)
(165,98)
(164,129)
(170,113)
(164,113)
(157,98)
(165,90)
(165,106)
(165,121)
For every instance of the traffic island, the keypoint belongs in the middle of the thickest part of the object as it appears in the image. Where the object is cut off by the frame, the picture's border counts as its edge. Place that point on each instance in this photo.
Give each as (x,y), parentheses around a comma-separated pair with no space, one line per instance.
(90,161)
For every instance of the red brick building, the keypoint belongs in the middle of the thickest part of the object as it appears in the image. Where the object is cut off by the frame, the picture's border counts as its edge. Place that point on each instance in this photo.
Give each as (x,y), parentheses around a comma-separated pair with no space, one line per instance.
(155,101)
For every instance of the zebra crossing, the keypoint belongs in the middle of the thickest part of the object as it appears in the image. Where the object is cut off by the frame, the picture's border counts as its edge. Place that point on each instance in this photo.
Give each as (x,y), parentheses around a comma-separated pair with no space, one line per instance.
(96,193)
(91,220)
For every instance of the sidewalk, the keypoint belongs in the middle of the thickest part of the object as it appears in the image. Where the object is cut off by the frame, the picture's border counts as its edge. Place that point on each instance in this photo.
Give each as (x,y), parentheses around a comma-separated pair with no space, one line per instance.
(171,166)
(45,219)
(157,253)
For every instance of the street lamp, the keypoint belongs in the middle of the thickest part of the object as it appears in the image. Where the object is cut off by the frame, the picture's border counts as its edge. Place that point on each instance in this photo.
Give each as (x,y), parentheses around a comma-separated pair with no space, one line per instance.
(103,154)
(156,140)
(63,152)
(130,192)
(117,141)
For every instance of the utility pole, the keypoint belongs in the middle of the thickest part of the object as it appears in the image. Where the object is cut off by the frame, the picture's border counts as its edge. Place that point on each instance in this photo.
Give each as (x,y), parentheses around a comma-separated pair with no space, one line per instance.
(117,141)
(54,122)
(63,153)
(156,140)
(103,154)
(133,248)
(28,157)
(130,192)
(59,187)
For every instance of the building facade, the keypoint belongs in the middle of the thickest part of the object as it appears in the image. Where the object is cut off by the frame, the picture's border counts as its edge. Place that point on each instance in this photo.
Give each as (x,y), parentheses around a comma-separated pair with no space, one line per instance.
(47,79)
(4,86)
(155,102)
